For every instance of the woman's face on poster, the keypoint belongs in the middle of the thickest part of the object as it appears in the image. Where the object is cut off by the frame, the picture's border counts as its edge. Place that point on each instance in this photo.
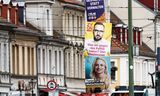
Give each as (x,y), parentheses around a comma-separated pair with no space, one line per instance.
(100,66)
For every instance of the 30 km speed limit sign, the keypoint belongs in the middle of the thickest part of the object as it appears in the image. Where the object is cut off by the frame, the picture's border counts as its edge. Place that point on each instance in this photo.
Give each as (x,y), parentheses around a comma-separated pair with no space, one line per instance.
(51,85)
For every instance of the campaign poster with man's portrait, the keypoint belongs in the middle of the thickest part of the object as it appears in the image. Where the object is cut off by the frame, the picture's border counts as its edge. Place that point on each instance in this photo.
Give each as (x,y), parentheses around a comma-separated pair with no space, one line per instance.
(98,38)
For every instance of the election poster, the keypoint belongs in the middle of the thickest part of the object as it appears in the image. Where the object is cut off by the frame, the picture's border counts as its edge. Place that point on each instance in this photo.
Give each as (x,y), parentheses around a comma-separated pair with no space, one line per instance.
(95,10)
(97,56)
(98,38)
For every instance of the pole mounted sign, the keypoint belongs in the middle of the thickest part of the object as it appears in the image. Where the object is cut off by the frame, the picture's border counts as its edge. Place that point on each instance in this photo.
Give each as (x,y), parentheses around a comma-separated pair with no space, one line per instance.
(51,85)
(95,10)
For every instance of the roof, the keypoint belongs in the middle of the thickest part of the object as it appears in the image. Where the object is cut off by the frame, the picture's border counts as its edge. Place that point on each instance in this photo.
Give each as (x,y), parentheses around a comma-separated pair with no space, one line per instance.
(118,47)
(75,2)
(149,3)
(4,22)
(27,31)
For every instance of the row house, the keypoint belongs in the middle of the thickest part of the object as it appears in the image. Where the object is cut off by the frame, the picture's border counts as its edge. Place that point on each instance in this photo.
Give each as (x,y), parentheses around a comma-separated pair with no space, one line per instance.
(142,16)
(54,50)
(50,63)
(23,66)
(62,19)
(66,19)
(5,29)
(73,16)
(5,80)
(143,59)
(18,51)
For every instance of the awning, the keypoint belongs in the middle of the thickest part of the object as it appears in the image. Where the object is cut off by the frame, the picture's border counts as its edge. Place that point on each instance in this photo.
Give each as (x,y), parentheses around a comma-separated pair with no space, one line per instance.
(46,90)
(66,93)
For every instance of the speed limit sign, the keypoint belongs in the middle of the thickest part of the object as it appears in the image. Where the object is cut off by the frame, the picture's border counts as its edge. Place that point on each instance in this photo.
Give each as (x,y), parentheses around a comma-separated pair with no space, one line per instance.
(51,85)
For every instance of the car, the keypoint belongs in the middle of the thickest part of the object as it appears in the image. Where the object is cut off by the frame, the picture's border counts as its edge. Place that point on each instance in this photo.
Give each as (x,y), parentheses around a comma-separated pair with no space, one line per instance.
(145,92)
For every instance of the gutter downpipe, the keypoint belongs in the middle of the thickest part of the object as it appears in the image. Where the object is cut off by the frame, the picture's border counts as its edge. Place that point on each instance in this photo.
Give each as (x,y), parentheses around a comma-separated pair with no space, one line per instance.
(39,43)
(65,77)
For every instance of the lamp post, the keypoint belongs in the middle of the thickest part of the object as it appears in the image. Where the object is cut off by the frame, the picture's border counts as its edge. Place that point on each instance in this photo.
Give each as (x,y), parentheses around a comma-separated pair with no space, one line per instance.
(32,84)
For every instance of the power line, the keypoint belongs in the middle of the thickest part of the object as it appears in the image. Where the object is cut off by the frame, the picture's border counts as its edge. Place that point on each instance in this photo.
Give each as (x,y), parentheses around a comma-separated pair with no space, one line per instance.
(119,7)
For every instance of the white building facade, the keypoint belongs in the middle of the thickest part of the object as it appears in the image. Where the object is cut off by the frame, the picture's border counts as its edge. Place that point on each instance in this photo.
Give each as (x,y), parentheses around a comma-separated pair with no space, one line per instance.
(63,20)
(4,63)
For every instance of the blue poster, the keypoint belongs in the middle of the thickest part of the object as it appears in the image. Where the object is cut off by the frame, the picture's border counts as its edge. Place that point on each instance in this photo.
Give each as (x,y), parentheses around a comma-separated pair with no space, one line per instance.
(95,10)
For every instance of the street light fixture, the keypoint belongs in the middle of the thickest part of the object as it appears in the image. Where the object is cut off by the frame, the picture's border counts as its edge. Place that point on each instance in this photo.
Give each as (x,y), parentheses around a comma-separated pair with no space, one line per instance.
(32,84)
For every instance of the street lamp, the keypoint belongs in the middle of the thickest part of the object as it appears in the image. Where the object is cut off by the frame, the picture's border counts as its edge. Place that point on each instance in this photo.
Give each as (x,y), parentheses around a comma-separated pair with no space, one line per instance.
(32,84)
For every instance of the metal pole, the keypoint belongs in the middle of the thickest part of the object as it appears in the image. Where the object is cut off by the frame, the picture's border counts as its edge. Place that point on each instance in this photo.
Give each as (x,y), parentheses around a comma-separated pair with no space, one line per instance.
(158,73)
(32,91)
(155,39)
(130,49)
(32,86)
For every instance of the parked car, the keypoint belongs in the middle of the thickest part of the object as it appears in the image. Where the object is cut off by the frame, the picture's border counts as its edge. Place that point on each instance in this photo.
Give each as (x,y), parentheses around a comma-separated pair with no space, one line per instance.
(145,92)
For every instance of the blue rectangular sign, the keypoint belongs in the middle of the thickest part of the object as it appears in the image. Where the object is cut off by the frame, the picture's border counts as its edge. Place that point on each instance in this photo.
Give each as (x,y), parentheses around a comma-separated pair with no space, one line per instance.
(95,10)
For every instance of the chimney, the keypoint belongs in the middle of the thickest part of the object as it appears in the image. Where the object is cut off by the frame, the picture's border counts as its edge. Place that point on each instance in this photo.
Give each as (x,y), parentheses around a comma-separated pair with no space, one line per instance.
(137,35)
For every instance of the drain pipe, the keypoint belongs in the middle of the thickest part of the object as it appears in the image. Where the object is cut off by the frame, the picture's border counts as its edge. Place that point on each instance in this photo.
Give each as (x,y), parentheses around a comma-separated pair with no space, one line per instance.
(38,43)
(65,78)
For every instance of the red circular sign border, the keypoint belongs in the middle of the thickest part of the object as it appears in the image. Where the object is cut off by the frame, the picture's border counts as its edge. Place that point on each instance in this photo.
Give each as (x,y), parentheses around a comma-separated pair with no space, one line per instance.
(52,82)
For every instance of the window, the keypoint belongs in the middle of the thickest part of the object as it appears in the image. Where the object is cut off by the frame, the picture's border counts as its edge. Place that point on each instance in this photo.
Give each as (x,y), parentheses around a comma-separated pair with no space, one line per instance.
(17,57)
(39,60)
(67,31)
(113,71)
(43,54)
(137,72)
(60,62)
(144,72)
(74,64)
(81,24)
(78,27)
(73,33)
(5,56)
(48,19)
(32,60)
(29,53)
(69,62)
(55,59)
(23,60)
(13,59)
(79,65)
(50,61)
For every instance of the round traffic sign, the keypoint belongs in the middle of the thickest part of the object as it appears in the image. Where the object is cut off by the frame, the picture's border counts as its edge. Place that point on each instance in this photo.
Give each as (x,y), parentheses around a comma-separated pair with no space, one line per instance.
(51,85)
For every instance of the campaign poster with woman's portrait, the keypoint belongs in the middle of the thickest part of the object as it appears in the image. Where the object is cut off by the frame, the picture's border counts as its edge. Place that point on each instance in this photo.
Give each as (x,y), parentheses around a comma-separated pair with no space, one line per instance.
(97,72)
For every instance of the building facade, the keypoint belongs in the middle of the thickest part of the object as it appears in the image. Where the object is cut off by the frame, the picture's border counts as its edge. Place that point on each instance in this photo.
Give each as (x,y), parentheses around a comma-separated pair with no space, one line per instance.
(65,20)
(143,59)
(5,80)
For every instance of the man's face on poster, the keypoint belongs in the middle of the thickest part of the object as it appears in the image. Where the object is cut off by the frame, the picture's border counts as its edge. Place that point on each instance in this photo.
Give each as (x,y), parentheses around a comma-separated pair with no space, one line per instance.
(98,32)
